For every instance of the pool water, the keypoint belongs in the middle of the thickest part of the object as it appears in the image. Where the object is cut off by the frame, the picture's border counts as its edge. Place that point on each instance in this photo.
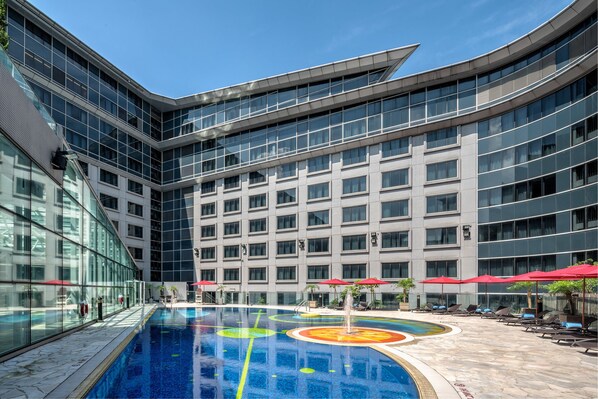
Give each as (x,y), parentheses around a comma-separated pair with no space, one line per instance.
(245,353)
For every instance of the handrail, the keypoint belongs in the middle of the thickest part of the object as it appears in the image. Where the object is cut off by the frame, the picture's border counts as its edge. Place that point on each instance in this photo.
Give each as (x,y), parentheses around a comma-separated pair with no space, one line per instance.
(303,302)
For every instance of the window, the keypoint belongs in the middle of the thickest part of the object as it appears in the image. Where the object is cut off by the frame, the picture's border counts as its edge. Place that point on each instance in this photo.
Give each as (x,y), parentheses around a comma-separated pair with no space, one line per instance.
(258,225)
(135,231)
(315,245)
(439,268)
(395,270)
(584,218)
(532,227)
(318,218)
(441,236)
(395,178)
(257,250)
(135,209)
(208,231)
(286,222)
(286,273)
(286,247)
(318,164)
(395,239)
(441,138)
(355,185)
(231,229)
(231,251)
(319,190)
(257,274)
(232,182)
(396,147)
(109,201)
(108,178)
(288,196)
(318,272)
(259,176)
(231,205)
(208,253)
(208,187)
(135,187)
(354,243)
(286,170)
(258,201)
(584,174)
(355,214)
(136,253)
(354,156)
(355,271)
(395,209)
(208,274)
(442,170)
(441,203)
(208,209)
(231,274)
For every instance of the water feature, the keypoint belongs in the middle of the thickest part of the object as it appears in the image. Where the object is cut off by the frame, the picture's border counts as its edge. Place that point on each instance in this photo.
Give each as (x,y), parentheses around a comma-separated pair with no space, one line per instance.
(347,321)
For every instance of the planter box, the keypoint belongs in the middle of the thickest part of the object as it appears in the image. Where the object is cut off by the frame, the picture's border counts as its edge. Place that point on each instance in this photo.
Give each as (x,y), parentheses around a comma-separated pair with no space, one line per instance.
(404,306)
(313,304)
(569,318)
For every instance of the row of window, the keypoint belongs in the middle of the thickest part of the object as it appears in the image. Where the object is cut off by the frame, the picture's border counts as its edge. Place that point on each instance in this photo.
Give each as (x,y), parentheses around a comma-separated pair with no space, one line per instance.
(111,202)
(529,189)
(584,218)
(525,228)
(112,179)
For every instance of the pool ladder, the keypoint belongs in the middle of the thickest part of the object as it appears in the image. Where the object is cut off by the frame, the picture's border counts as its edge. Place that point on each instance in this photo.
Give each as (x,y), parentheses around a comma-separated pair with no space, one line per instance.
(302,303)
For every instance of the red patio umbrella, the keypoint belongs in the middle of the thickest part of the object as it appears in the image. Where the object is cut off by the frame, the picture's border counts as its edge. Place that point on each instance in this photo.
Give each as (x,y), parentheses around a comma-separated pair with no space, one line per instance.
(57,282)
(373,283)
(486,279)
(334,282)
(204,282)
(442,281)
(533,276)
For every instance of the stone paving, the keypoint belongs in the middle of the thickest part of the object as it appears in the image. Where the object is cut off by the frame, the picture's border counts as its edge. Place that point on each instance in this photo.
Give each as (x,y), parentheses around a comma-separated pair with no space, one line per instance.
(485,359)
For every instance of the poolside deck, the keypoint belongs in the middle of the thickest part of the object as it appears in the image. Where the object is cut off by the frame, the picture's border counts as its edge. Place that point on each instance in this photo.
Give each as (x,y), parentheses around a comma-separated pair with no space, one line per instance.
(485,359)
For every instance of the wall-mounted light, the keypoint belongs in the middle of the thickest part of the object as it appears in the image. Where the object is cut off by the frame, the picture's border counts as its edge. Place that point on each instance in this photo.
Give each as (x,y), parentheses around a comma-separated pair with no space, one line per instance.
(466,231)
(244,249)
(374,239)
(196,252)
(301,244)
(60,158)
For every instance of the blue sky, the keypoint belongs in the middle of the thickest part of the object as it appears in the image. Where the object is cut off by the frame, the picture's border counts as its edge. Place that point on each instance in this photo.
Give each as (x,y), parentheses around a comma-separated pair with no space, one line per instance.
(191,46)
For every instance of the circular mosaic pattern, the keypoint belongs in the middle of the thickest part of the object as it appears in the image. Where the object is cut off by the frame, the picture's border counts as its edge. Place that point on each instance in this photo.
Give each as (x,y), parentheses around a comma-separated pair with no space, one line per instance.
(246,333)
(338,336)
(309,315)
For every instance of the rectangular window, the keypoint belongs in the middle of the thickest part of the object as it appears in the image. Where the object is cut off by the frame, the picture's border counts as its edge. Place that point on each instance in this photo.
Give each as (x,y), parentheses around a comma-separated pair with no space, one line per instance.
(208,187)
(232,182)
(287,273)
(446,268)
(135,209)
(208,274)
(286,170)
(286,222)
(208,231)
(441,203)
(318,218)
(109,201)
(231,274)
(231,205)
(395,178)
(137,253)
(355,185)
(231,229)
(231,251)
(396,147)
(395,239)
(441,138)
(135,187)
(257,274)
(258,225)
(354,156)
(441,170)
(355,214)
(315,245)
(259,176)
(441,236)
(354,243)
(108,178)
(319,190)
(208,253)
(395,209)
(318,272)
(257,250)
(208,209)
(286,247)
(318,164)
(395,270)
(288,196)
(258,201)
(135,231)
(355,271)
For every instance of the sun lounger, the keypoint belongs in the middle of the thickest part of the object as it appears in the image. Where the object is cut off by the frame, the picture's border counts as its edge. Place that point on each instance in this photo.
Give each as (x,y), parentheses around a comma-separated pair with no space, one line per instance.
(499,314)
(450,310)
(469,311)
(428,307)
(589,344)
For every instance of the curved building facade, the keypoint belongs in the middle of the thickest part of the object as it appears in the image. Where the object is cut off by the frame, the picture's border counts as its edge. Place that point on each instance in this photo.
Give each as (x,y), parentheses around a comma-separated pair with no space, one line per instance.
(338,171)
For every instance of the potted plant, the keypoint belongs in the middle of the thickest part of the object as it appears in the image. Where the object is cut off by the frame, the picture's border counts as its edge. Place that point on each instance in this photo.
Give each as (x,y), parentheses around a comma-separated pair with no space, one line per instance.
(311,288)
(526,285)
(406,285)
(174,291)
(221,288)
(162,289)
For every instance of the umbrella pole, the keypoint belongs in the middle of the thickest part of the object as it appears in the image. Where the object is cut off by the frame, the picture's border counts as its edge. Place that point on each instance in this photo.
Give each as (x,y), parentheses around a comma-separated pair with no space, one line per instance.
(487,297)
(536,298)
(583,303)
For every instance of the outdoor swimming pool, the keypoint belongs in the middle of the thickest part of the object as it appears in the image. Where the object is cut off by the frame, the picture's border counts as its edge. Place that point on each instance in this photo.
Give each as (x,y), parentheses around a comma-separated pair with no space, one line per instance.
(246,353)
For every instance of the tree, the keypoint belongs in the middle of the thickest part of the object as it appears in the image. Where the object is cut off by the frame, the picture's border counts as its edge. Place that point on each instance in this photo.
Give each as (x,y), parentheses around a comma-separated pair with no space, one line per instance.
(354,291)
(174,291)
(406,285)
(221,288)
(527,285)
(568,287)
(4,39)
(311,288)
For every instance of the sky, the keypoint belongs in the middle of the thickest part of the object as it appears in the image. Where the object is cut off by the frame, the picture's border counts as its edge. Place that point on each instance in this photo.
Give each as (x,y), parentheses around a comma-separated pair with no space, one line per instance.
(182,47)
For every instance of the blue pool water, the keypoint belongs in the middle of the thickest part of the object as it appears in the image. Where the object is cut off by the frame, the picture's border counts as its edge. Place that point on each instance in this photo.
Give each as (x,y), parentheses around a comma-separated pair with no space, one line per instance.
(245,353)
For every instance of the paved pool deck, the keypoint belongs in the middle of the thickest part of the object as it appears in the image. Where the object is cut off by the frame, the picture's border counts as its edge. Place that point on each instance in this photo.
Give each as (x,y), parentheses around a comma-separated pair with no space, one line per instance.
(479,359)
